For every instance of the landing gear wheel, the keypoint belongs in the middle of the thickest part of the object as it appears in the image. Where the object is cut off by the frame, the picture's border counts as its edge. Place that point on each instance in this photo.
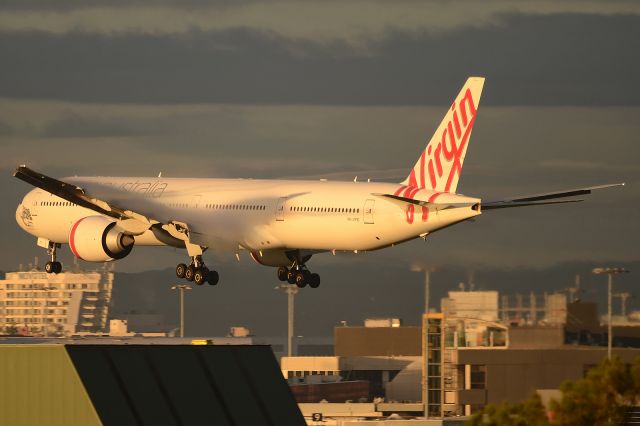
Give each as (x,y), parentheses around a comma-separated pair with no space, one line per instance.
(291,276)
(200,275)
(53,267)
(189,273)
(314,280)
(181,270)
(301,279)
(213,277)
(282,273)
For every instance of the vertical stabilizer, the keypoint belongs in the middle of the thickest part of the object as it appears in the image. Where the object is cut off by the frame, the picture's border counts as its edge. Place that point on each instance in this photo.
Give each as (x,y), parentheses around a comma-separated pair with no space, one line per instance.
(440,164)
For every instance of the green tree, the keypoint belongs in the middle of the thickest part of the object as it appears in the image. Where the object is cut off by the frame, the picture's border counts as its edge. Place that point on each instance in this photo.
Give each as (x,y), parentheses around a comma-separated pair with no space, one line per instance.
(600,398)
(529,412)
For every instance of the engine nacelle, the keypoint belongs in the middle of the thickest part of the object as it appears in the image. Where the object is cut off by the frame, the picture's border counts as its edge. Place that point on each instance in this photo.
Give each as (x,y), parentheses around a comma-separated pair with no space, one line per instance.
(98,239)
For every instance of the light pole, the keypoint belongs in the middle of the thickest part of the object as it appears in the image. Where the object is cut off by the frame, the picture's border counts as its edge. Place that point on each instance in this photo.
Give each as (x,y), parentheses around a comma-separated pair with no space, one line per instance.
(291,290)
(425,365)
(609,272)
(181,288)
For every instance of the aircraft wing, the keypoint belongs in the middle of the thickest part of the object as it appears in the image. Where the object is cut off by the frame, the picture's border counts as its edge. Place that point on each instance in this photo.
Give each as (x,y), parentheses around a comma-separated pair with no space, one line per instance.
(544,199)
(131,221)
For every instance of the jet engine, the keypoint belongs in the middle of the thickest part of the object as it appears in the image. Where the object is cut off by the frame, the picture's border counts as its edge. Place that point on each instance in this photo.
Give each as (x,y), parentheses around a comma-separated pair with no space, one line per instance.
(98,239)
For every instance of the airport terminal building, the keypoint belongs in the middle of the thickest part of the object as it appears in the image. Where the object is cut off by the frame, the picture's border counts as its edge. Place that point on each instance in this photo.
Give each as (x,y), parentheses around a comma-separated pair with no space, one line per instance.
(474,359)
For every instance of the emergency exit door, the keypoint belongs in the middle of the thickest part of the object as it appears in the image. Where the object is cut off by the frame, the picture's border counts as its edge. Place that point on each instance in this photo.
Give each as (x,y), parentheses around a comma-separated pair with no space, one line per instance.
(368,211)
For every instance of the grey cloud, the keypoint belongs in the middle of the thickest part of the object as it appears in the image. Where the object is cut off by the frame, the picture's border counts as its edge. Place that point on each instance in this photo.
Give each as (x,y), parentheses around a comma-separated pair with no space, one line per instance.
(561,59)
(75,126)
(5,129)
(68,5)
(350,21)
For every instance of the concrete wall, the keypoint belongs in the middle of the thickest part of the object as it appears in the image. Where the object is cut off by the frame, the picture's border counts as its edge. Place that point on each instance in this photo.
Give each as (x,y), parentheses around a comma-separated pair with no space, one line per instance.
(513,374)
(536,337)
(378,341)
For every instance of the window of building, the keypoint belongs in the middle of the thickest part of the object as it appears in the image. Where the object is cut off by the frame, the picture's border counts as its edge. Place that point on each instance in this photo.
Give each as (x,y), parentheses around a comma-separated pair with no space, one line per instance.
(478,376)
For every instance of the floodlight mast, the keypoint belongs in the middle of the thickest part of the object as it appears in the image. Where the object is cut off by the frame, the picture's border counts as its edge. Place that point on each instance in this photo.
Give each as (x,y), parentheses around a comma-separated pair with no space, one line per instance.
(610,272)
(181,288)
(291,290)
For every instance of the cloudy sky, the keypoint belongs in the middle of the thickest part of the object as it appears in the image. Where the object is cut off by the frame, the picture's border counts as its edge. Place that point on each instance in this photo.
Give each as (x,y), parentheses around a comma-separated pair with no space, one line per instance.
(335,89)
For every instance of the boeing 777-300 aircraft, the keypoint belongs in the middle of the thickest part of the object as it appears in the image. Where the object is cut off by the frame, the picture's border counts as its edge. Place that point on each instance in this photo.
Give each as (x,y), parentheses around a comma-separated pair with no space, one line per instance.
(281,223)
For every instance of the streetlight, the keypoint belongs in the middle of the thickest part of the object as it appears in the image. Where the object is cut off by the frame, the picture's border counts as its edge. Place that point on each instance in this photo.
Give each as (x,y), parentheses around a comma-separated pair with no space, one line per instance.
(291,290)
(609,272)
(427,283)
(182,288)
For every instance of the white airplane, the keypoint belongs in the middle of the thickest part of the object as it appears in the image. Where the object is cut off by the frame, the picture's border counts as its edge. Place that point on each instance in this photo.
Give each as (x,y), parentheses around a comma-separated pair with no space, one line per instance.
(281,223)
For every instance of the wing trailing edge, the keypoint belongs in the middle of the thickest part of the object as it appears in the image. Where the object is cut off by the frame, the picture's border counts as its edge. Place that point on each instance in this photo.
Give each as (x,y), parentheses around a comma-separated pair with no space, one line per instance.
(545,198)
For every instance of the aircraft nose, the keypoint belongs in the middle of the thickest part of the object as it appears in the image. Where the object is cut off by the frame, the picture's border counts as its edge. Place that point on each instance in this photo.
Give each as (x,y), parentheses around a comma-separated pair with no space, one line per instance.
(23,217)
(19,214)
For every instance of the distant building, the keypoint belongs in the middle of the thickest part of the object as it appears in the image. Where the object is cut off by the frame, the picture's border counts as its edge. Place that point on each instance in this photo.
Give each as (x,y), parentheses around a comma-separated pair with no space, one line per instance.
(482,305)
(120,328)
(472,362)
(144,322)
(36,303)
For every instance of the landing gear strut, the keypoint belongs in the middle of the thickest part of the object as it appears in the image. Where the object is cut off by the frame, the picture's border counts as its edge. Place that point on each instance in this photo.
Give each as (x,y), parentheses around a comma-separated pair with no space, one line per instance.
(53,266)
(298,275)
(197,272)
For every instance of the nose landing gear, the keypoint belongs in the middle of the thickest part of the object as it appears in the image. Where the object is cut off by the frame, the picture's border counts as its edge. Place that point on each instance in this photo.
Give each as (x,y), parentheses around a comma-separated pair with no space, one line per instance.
(197,272)
(299,275)
(53,266)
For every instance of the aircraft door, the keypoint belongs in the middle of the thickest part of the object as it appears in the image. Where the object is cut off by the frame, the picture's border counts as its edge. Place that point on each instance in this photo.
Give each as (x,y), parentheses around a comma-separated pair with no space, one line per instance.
(280,209)
(368,211)
(195,201)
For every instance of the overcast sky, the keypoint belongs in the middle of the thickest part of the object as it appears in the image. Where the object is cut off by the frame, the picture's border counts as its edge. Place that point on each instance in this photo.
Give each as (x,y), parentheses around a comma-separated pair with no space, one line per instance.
(335,89)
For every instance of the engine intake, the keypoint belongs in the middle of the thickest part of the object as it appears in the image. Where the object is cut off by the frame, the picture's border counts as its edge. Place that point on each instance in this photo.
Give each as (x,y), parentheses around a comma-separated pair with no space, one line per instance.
(98,239)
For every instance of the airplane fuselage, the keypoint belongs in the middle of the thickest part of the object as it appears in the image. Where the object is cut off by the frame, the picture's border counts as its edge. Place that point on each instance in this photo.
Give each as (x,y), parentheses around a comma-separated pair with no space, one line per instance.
(257,215)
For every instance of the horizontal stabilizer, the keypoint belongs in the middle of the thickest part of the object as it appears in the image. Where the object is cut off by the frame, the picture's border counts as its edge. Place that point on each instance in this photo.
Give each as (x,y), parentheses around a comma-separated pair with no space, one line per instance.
(439,206)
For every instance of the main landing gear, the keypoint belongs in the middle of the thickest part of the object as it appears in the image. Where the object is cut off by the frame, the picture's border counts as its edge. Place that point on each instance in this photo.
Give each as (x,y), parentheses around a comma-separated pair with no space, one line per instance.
(299,275)
(53,266)
(197,272)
